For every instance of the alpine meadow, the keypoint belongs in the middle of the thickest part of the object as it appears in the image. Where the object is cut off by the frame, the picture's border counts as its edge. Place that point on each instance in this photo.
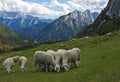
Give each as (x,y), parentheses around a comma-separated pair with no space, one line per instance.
(99,62)
(59,41)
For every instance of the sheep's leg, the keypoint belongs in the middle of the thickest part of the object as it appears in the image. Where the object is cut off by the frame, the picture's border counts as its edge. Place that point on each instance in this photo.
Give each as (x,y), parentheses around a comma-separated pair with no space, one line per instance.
(46,68)
(51,68)
(72,64)
(40,67)
(34,66)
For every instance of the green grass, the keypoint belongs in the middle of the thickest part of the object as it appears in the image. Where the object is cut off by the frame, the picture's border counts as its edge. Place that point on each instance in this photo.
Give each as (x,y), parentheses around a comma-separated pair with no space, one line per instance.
(100,60)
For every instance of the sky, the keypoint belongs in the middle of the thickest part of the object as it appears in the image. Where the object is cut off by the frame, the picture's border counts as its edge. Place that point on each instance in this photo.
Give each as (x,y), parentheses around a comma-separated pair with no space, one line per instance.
(51,9)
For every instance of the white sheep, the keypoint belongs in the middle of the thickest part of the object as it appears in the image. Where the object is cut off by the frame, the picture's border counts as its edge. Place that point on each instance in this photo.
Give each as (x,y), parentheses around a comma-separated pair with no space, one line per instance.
(43,59)
(23,60)
(51,52)
(8,64)
(75,56)
(57,58)
(65,59)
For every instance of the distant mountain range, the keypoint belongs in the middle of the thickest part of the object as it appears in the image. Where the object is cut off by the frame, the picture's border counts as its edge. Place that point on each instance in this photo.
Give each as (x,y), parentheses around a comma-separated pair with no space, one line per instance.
(47,30)
(67,26)
(17,21)
(108,21)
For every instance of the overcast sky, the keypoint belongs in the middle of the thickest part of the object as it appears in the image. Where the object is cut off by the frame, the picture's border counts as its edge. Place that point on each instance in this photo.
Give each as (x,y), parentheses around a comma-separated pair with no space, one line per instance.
(51,8)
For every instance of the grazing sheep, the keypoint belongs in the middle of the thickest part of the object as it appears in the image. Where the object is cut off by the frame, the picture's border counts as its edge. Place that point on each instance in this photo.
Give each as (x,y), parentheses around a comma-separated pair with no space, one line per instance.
(57,58)
(58,61)
(23,60)
(75,56)
(65,59)
(8,64)
(43,58)
(54,54)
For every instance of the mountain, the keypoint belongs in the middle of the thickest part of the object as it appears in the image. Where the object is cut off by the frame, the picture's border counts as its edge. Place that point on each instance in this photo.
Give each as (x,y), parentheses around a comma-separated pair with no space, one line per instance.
(17,21)
(107,21)
(113,8)
(33,31)
(9,38)
(67,26)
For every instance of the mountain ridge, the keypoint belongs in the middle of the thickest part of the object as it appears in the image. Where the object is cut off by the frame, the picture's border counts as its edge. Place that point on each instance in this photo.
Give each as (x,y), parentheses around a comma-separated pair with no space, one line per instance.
(66,26)
(17,20)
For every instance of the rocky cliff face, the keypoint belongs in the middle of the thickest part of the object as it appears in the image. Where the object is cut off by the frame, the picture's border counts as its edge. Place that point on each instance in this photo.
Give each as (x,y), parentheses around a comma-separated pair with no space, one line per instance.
(107,21)
(113,8)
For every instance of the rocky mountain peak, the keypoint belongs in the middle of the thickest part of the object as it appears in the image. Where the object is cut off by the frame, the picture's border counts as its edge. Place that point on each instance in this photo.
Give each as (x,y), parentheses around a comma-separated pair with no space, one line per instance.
(65,27)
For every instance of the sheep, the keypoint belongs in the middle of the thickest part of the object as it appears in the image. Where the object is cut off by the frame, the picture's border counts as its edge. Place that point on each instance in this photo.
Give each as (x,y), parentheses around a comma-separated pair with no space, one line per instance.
(51,52)
(75,56)
(43,58)
(57,58)
(65,59)
(8,64)
(23,60)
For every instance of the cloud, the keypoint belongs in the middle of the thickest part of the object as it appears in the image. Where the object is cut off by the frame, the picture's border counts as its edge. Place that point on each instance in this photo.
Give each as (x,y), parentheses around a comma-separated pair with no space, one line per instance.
(28,8)
(52,9)
(93,5)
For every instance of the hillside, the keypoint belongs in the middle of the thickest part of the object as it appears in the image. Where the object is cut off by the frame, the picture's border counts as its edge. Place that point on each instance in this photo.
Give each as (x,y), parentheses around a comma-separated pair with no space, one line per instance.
(9,38)
(100,60)
(5,45)
(107,21)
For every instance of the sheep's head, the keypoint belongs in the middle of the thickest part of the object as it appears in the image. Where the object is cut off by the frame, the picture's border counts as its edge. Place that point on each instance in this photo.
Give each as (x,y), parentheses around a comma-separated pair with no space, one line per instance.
(8,71)
(16,58)
(23,69)
(66,67)
(57,68)
(78,64)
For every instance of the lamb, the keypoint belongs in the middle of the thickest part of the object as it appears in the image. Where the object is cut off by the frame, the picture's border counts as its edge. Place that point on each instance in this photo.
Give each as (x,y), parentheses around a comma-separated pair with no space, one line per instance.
(43,58)
(57,58)
(65,59)
(54,54)
(75,56)
(8,64)
(51,52)
(23,60)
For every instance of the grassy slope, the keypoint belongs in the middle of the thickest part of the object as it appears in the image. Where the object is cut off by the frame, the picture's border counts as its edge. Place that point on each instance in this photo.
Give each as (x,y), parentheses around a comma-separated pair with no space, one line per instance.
(100,60)
(11,36)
